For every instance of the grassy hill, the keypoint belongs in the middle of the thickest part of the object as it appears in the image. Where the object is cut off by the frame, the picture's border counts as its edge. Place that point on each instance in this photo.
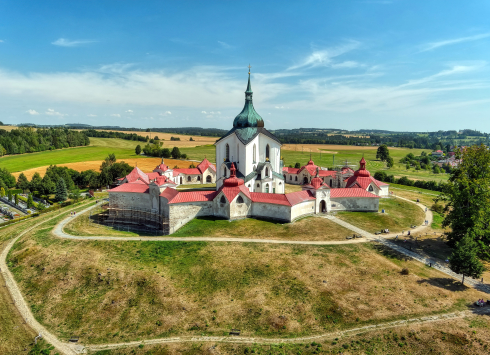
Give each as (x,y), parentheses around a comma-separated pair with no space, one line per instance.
(109,291)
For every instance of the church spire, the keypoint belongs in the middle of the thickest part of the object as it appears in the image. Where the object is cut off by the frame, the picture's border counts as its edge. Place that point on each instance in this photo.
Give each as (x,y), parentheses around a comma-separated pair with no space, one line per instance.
(249,91)
(248,117)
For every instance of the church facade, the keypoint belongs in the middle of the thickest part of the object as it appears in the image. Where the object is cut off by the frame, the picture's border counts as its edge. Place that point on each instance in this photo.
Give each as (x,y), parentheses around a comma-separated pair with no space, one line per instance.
(250,182)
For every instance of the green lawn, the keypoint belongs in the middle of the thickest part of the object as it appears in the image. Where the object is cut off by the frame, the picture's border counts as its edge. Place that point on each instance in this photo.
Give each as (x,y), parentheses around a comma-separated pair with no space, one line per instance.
(400,215)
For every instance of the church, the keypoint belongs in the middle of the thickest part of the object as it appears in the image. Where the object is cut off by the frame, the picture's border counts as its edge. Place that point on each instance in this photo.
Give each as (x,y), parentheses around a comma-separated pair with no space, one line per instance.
(250,183)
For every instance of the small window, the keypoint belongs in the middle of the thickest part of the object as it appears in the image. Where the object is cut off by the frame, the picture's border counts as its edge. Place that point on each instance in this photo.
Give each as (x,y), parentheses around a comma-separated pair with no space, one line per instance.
(267,188)
(239,199)
(290,177)
(255,153)
(267,151)
(267,172)
(188,178)
(370,188)
(224,172)
(198,178)
(296,178)
(223,199)
(227,152)
(258,185)
(280,183)
(208,178)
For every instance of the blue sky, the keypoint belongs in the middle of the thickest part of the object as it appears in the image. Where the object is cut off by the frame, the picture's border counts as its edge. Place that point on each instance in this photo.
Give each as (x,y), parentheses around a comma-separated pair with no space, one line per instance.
(382,64)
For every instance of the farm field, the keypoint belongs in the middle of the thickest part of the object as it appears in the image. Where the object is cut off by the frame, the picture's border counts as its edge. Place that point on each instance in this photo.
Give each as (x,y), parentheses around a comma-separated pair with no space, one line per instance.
(109,291)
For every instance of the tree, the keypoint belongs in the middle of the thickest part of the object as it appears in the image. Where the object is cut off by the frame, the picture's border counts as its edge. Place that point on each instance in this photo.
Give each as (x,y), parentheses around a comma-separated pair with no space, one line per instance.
(75,194)
(383,153)
(467,198)
(166,153)
(30,201)
(192,166)
(2,192)
(464,259)
(190,139)
(16,199)
(436,169)
(111,159)
(61,192)
(380,175)
(9,195)
(138,150)
(48,186)
(36,183)
(407,166)
(297,165)
(390,162)
(7,178)
(22,182)
(41,207)
(175,153)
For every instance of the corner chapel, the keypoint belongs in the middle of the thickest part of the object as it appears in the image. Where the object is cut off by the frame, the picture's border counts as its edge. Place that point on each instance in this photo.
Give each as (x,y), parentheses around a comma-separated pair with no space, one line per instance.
(252,149)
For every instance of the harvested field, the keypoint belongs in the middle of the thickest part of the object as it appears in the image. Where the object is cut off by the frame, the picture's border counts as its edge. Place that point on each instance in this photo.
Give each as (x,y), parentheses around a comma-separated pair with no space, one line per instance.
(330,148)
(145,164)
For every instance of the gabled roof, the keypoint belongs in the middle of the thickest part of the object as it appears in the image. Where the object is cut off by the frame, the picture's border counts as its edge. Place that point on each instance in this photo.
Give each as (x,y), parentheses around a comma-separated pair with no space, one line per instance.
(153,175)
(136,174)
(352,192)
(327,173)
(137,187)
(317,183)
(231,192)
(169,193)
(162,180)
(300,196)
(290,170)
(204,165)
(310,168)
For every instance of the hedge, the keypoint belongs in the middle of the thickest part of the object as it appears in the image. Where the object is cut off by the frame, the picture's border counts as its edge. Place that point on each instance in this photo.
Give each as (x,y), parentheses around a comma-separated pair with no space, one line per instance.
(428,185)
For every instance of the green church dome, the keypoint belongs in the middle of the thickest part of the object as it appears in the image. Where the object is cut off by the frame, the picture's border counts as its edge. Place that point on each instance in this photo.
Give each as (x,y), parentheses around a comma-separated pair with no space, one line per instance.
(248,117)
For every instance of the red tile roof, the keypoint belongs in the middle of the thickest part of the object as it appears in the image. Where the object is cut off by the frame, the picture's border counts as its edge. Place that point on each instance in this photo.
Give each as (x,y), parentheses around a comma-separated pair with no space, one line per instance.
(153,176)
(352,192)
(169,193)
(300,196)
(138,187)
(290,170)
(231,192)
(189,171)
(136,174)
(193,196)
(310,167)
(263,197)
(327,173)
(204,165)
(316,183)
(163,180)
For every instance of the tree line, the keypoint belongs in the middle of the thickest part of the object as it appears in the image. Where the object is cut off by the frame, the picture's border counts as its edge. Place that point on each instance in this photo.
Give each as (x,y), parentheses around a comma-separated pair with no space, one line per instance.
(112,134)
(30,140)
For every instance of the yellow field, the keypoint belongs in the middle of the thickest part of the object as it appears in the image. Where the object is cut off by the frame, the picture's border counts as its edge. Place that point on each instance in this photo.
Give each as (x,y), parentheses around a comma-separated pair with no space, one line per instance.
(332,148)
(147,165)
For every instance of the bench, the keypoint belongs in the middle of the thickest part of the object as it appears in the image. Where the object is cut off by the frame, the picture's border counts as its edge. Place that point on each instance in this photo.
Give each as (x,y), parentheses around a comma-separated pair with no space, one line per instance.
(235,332)
(74,339)
(348,237)
(358,236)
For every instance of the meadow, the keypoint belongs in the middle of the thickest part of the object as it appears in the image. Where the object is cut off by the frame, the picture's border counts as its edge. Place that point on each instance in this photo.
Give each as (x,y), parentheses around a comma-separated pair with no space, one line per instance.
(322,155)
(109,291)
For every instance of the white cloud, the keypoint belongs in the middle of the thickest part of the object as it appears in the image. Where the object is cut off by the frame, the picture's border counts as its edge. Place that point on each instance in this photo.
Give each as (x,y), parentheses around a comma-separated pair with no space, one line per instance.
(324,57)
(32,112)
(129,112)
(347,64)
(225,45)
(434,45)
(91,115)
(1,40)
(63,42)
(51,112)
(115,115)
(204,112)
(166,113)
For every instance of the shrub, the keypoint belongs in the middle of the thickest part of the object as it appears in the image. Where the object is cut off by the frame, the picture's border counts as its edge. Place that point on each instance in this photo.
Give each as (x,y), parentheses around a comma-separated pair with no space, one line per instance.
(405,271)
(436,207)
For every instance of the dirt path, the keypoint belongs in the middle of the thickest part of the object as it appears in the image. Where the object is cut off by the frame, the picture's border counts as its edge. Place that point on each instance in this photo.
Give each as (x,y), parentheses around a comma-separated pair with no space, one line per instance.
(21,304)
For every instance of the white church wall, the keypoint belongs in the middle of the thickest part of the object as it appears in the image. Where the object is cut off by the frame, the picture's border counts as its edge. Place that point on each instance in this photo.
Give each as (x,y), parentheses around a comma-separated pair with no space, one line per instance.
(367,204)
(181,213)
(240,210)
(248,161)
(272,211)
(208,172)
(274,151)
(384,191)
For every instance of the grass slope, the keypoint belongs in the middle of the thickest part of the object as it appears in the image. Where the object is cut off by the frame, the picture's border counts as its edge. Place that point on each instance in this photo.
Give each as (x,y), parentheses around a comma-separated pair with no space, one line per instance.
(117,291)
(309,228)
(400,215)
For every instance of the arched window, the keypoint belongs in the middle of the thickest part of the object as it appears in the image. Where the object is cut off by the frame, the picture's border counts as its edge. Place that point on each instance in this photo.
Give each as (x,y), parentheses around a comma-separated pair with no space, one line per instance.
(224,172)
(295,178)
(290,177)
(188,178)
(198,178)
(267,149)
(258,185)
(280,183)
(208,178)
(255,153)
(370,188)
(237,153)
(267,172)
(267,188)
(223,199)
(227,152)
(239,199)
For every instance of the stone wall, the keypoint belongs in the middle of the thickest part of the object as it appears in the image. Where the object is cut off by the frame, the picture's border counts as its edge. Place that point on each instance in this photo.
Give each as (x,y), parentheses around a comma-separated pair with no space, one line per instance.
(302,209)
(240,210)
(130,200)
(366,204)
(180,214)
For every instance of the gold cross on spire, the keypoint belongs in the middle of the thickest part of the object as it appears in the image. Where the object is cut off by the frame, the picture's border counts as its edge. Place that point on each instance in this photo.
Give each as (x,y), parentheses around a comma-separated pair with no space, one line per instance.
(249,66)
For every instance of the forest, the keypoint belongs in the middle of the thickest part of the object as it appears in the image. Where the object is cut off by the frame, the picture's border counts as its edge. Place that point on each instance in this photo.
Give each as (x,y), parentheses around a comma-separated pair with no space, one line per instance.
(30,140)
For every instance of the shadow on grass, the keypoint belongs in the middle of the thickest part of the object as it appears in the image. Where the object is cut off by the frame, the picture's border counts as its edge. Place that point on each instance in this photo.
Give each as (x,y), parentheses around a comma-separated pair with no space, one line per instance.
(390,253)
(446,283)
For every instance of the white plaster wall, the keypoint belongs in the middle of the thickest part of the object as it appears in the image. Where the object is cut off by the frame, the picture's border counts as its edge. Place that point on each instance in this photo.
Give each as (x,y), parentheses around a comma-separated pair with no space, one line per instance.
(302,209)
(268,210)
(206,173)
(275,152)
(368,204)
(248,161)
(384,191)
(240,210)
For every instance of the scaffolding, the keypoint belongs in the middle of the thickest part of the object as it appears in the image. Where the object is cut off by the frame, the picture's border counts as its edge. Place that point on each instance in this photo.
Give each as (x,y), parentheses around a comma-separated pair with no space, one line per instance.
(130,218)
